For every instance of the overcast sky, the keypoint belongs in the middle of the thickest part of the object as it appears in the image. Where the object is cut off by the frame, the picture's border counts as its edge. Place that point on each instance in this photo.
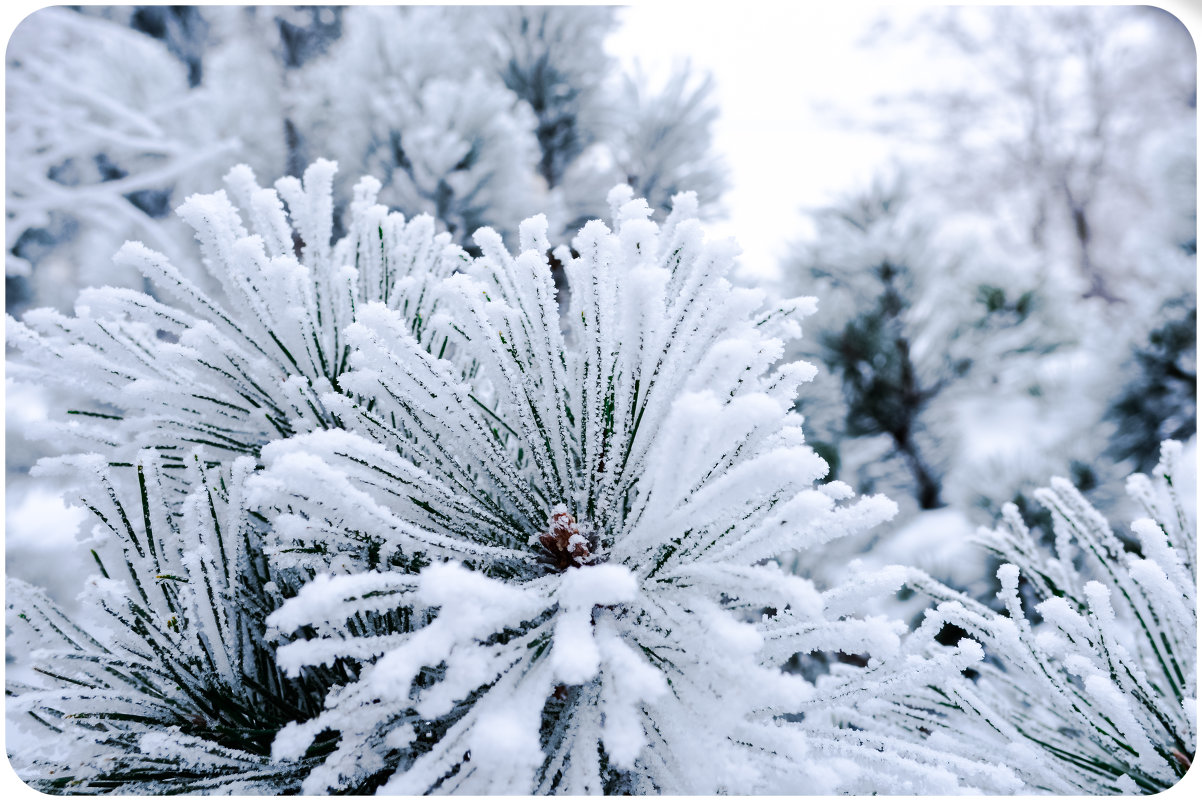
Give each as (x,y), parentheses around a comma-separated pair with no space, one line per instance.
(779,72)
(782,71)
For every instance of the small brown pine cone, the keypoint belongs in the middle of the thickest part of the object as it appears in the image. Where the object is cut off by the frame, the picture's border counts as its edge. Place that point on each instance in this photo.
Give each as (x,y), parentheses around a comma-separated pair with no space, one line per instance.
(564,541)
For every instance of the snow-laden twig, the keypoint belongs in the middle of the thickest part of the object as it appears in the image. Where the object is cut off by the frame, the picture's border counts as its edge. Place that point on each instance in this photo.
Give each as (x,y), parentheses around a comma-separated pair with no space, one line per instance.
(1089,679)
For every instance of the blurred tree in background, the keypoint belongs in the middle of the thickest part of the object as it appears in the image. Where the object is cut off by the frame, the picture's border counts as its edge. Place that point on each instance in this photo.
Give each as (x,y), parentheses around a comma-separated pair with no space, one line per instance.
(1047,249)
(478,116)
(867,267)
(1161,398)
(1070,128)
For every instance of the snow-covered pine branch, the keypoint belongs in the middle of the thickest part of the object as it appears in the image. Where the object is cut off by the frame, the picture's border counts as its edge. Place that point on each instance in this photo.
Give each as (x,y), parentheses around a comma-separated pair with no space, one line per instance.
(481,116)
(554,58)
(599,502)
(665,146)
(1089,679)
(169,687)
(231,374)
(543,546)
(434,123)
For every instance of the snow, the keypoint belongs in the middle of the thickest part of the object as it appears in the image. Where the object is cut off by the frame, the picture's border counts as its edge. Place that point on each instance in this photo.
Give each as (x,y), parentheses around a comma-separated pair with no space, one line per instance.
(41,545)
(631,681)
(738,637)
(293,740)
(498,743)
(575,656)
(939,542)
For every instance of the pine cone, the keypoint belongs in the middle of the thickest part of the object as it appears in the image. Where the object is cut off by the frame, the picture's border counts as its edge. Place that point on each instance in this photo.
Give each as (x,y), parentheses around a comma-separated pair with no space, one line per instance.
(564,540)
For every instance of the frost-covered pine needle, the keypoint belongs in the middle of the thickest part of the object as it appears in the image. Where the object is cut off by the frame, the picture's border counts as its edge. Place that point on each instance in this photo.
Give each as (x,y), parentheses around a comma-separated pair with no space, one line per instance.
(1089,683)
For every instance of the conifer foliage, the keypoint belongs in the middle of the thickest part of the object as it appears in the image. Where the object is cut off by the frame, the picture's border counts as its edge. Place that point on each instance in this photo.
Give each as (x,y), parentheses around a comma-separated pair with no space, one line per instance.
(1089,685)
(406,526)
(475,115)
(567,469)
(175,690)
(230,374)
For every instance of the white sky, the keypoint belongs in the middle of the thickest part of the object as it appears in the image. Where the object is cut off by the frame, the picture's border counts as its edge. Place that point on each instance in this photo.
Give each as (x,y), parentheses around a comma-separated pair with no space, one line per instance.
(777,67)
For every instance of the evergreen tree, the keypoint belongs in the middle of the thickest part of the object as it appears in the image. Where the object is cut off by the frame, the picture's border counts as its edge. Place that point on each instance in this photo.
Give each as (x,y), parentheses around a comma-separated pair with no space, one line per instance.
(658,150)
(952,381)
(879,379)
(436,124)
(1054,159)
(554,59)
(869,260)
